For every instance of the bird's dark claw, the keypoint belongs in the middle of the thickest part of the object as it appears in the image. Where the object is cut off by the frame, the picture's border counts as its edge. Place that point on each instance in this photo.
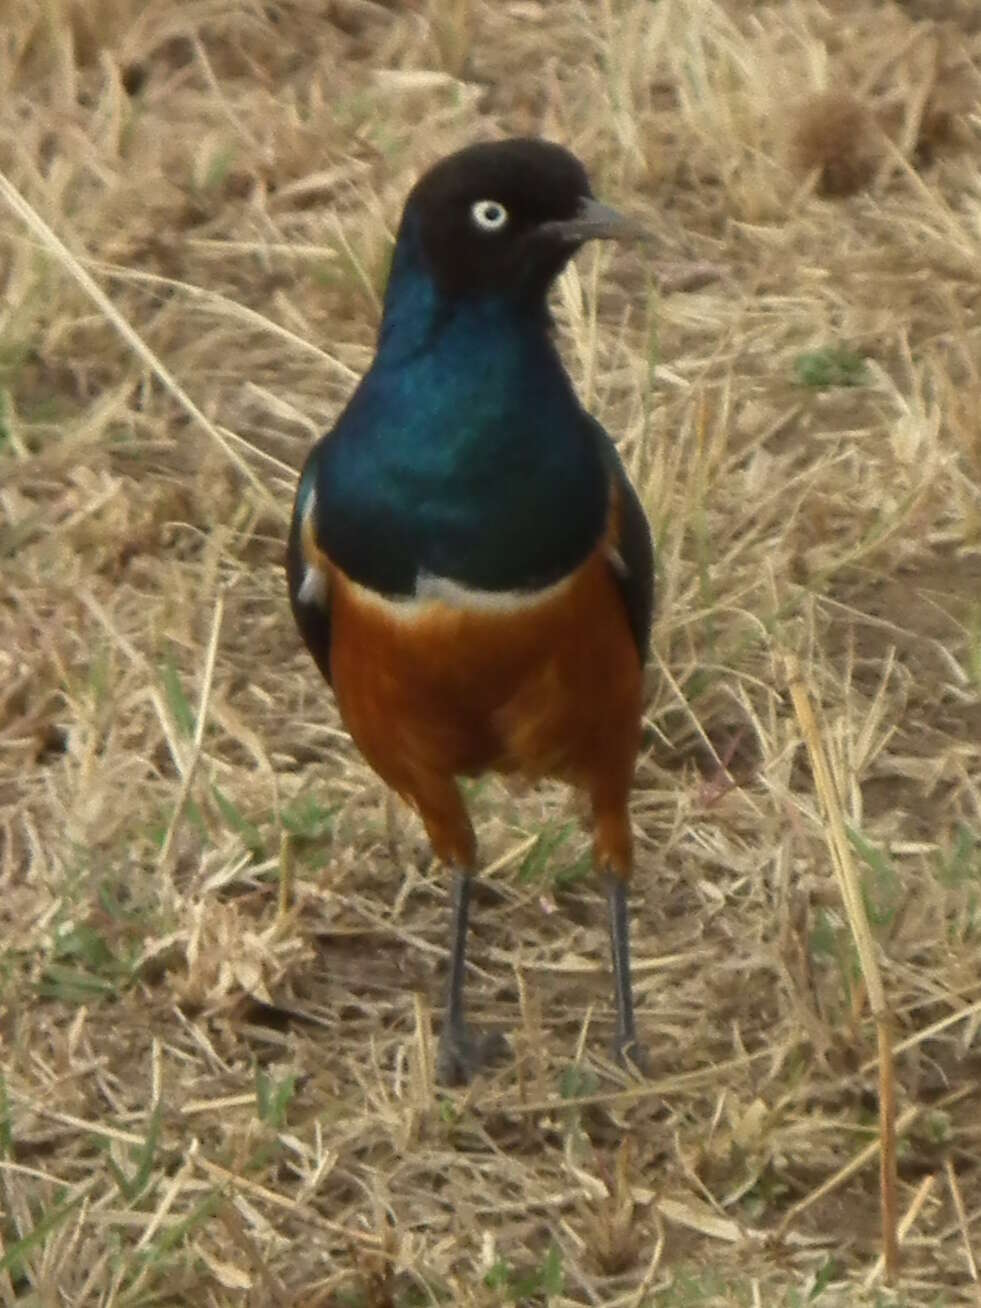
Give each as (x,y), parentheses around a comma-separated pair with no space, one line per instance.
(465,1052)
(632,1055)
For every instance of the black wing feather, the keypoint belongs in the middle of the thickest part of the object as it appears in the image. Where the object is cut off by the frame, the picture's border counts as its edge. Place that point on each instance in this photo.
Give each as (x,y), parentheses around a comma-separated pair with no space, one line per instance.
(312,619)
(635,548)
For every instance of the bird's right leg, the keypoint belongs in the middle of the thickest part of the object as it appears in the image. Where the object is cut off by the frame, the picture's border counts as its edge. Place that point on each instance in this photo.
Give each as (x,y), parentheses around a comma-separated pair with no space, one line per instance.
(462,1051)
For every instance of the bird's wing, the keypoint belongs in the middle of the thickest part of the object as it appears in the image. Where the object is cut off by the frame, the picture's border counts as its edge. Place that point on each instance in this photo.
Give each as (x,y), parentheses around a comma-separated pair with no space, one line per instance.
(306,571)
(631,548)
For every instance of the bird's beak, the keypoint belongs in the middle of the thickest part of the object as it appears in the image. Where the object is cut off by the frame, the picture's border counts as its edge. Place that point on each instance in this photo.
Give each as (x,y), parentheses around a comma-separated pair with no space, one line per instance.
(596,221)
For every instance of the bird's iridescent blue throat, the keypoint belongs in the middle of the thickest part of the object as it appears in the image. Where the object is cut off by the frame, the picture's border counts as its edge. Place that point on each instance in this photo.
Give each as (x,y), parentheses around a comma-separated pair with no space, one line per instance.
(464,453)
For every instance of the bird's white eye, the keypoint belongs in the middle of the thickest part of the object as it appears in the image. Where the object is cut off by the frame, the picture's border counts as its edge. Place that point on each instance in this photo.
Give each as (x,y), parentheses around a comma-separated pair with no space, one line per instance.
(489,215)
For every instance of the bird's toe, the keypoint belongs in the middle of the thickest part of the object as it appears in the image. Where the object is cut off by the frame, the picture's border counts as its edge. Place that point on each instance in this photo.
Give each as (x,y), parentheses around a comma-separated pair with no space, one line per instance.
(633,1055)
(463,1054)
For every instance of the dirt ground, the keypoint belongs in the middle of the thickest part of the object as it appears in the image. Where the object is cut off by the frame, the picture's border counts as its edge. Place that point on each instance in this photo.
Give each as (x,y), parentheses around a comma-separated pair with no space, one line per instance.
(222,945)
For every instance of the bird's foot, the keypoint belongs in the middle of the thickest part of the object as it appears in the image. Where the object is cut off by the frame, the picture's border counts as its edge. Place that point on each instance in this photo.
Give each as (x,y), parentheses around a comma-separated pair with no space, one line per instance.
(632,1055)
(464,1052)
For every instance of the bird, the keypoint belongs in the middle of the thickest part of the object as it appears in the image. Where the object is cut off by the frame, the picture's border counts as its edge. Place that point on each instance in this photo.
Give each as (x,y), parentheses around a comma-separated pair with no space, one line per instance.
(468,562)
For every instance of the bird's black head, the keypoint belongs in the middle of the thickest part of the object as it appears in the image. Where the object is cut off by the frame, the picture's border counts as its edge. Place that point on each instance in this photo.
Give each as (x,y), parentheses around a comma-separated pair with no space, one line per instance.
(504,216)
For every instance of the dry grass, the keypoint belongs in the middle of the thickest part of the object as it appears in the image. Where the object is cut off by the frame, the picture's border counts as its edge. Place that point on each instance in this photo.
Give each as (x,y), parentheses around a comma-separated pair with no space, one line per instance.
(208,1100)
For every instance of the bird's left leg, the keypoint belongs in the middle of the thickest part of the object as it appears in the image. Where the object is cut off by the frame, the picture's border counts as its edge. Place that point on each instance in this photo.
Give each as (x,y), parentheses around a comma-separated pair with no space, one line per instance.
(625,1044)
(614,857)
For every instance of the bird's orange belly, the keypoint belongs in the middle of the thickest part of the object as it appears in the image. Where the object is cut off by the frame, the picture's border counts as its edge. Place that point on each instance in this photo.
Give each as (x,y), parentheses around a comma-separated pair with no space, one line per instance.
(431,688)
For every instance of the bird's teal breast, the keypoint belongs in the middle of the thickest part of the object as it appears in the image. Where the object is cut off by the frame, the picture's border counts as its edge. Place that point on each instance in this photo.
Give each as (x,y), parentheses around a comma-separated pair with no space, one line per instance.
(464,454)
